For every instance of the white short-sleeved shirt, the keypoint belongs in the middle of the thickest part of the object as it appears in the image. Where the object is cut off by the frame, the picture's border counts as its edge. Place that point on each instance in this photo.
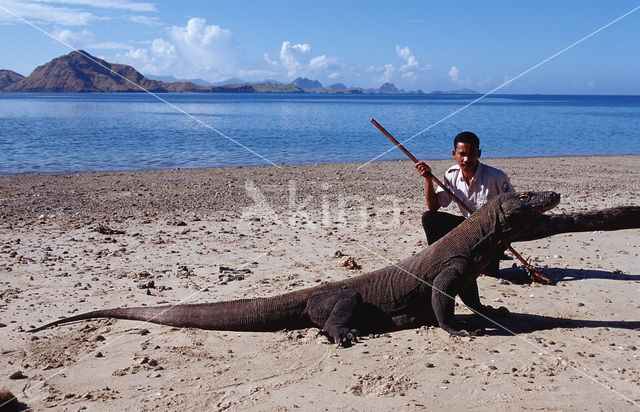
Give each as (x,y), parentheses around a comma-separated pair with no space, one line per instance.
(487,183)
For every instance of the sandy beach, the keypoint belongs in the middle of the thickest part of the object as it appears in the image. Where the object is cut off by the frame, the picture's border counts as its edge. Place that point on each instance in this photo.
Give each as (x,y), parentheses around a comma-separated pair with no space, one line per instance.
(74,243)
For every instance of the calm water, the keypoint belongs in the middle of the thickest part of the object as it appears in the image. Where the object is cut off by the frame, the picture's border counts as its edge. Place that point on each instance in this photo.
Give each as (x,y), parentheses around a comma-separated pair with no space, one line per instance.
(56,133)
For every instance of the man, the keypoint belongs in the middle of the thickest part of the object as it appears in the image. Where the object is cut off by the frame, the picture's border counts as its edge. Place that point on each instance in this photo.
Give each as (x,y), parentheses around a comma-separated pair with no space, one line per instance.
(473,182)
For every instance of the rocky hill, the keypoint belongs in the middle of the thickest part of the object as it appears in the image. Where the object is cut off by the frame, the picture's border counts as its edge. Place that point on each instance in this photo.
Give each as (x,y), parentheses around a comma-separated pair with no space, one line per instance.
(9,77)
(336,87)
(306,84)
(80,72)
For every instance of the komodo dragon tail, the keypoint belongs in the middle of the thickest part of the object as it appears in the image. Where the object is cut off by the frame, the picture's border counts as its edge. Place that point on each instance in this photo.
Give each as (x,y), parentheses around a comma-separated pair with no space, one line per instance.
(261,314)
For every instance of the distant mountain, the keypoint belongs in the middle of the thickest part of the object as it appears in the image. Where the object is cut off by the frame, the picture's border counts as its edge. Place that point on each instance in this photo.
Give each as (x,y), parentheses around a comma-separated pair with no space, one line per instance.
(388,88)
(233,80)
(461,91)
(80,72)
(9,77)
(171,79)
(306,84)
(269,87)
(336,87)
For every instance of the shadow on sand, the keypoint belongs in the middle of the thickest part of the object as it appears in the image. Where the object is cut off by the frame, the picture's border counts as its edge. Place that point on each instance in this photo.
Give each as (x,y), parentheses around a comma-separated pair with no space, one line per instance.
(519,275)
(525,323)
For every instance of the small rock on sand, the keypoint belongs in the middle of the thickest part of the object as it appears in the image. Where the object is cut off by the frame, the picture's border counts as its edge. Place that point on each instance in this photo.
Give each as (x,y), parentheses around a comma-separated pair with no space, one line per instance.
(17,375)
(350,263)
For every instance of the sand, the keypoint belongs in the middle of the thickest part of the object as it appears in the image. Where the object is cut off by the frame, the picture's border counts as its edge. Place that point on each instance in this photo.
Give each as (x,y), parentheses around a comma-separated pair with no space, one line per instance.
(571,346)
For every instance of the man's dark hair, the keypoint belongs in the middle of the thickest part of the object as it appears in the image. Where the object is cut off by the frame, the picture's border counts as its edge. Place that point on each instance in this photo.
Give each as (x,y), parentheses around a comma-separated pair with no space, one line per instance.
(466,137)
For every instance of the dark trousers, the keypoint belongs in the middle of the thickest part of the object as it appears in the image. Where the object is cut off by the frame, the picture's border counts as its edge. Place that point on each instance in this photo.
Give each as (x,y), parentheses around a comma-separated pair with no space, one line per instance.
(437,224)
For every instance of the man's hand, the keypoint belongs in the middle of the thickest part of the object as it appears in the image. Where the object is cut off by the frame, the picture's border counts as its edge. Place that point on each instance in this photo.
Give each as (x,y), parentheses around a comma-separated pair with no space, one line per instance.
(433,202)
(424,170)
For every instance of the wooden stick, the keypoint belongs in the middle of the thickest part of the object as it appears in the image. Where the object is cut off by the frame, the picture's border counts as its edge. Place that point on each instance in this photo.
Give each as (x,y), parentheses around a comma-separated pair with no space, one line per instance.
(533,272)
(395,142)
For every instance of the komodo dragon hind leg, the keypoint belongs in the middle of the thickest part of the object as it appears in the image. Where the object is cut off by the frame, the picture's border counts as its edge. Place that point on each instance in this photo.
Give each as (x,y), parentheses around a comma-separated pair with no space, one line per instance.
(333,312)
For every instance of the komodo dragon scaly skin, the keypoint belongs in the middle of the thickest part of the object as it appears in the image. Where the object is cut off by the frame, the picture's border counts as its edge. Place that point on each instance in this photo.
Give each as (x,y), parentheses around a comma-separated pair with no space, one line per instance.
(394,297)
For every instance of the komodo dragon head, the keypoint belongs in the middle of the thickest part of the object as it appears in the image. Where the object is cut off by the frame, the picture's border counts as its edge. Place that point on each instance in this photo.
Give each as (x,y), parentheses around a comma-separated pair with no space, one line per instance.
(504,217)
(516,211)
(500,221)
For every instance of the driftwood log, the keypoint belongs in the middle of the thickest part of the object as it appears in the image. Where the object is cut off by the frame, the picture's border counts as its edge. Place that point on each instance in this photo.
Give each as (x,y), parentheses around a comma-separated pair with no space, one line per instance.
(617,218)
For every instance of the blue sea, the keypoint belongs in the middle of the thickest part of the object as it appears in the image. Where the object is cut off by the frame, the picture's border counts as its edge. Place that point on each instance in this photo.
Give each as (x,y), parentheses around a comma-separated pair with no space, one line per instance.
(65,133)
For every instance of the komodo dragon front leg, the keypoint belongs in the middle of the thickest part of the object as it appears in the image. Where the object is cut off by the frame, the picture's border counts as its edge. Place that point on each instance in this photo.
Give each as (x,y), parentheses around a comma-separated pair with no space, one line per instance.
(470,297)
(449,283)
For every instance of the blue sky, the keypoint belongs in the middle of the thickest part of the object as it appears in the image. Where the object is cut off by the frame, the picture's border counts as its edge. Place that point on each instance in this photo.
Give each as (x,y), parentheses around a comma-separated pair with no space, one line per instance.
(429,45)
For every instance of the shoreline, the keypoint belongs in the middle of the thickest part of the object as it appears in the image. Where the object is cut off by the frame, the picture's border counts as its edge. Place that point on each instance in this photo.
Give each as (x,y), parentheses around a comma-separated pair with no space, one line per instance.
(72,173)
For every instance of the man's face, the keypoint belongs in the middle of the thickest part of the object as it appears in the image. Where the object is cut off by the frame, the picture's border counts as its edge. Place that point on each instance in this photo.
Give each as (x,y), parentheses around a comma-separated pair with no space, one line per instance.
(466,155)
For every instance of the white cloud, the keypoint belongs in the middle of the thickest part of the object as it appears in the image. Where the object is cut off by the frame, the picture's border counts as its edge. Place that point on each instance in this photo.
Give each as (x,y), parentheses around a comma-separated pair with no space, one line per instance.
(269,60)
(387,73)
(290,56)
(324,63)
(146,20)
(412,67)
(138,54)
(206,48)
(109,45)
(194,50)
(454,74)
(43,13)
(410,70)
(161,47)
(68,12)
(77,40)
(403,52)
(295,60)
(102,4)
(302,48)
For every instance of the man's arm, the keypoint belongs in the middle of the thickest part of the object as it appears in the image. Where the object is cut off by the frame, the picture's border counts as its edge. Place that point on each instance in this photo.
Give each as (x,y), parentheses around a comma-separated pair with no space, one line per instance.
(430,195)
(504,183)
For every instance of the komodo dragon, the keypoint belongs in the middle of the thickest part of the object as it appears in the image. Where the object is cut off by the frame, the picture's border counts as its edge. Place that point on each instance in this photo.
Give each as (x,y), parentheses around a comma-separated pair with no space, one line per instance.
(394,297)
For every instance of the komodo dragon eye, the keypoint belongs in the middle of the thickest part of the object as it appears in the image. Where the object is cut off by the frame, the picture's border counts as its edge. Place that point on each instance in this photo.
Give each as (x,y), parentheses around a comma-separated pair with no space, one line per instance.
(524,196)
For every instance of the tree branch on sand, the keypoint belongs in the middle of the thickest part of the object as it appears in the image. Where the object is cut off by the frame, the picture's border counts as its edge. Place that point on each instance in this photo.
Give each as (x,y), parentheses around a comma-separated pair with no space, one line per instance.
(617,218)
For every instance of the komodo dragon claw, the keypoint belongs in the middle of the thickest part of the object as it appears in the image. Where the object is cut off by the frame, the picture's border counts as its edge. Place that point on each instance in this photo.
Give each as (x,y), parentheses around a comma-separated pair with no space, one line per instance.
(490,311)
(344,338)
